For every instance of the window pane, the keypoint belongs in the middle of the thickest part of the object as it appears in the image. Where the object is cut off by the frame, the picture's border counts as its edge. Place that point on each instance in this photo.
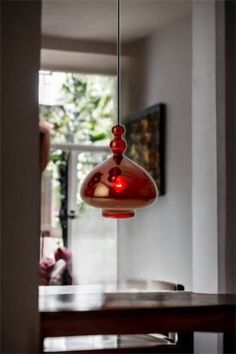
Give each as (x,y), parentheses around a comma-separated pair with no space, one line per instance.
(80,109)
(93,238)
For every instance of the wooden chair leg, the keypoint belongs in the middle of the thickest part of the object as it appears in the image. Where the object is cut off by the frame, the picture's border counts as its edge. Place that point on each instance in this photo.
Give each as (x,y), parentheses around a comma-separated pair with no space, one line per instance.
(185,343)
(41,344)
(229,343)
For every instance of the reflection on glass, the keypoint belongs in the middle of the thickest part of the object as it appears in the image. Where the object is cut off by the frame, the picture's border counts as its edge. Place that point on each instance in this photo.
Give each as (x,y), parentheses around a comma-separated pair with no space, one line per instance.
(93,241)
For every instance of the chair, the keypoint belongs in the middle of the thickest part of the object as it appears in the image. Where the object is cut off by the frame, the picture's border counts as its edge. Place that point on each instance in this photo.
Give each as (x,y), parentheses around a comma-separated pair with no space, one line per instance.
(146,343)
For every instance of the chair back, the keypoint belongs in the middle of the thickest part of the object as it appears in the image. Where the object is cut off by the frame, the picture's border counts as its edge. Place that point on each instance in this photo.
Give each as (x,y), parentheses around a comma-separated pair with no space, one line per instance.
(152,284)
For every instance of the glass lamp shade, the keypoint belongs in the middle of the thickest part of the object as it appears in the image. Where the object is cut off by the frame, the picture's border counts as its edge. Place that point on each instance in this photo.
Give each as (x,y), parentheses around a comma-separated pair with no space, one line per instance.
(118,185)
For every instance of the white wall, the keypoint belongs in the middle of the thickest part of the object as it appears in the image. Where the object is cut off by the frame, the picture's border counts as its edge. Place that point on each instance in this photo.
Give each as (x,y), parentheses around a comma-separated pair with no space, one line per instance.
(89,63)
(213,146)
(71,55)
(212,261)
(20,180)
(158,242)
(204,149)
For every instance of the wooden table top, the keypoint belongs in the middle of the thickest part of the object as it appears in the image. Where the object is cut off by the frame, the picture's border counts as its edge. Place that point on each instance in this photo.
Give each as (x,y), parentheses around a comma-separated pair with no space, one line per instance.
(72,310)
(95,298)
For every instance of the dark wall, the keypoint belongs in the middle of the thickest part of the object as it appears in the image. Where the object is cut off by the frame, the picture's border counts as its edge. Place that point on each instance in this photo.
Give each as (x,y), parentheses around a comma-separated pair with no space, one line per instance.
(20,178)
(230,84)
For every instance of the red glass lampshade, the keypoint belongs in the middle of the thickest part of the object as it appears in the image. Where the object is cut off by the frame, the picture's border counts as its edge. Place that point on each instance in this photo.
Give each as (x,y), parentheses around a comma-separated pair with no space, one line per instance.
(118,185)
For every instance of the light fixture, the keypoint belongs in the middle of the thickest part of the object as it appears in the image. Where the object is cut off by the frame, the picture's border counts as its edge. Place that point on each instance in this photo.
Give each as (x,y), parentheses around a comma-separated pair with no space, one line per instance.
(118,185)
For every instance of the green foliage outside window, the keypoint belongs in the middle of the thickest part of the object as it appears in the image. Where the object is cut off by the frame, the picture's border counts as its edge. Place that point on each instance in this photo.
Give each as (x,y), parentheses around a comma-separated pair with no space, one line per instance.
(86,111)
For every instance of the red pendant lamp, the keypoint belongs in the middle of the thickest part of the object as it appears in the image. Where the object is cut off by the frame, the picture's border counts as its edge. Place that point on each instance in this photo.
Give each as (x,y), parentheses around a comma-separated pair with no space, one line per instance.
(118,185)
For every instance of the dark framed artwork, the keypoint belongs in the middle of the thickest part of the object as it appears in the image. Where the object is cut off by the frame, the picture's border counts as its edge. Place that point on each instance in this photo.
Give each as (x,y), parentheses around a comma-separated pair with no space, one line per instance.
(145,137)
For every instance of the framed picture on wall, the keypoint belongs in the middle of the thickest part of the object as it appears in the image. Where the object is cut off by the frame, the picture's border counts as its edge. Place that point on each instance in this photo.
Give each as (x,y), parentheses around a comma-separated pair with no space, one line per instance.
(145,136)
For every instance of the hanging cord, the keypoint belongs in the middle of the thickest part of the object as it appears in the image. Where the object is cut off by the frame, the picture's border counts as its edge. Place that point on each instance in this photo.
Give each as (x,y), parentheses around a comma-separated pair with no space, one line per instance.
(118,64)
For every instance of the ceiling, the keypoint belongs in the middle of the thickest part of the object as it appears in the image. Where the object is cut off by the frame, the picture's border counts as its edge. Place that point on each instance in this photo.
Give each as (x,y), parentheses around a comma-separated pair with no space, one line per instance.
(96,20)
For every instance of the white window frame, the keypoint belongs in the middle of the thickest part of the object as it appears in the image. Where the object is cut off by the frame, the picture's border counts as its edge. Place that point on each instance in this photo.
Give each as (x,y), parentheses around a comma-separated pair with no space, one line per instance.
(72,173)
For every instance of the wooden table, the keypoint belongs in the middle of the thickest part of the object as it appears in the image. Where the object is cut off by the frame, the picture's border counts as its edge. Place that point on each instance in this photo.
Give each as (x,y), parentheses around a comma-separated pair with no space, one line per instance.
(78,310)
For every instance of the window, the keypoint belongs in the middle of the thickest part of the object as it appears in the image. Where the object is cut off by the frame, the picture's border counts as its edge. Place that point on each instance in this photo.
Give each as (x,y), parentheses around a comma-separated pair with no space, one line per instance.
(80,109)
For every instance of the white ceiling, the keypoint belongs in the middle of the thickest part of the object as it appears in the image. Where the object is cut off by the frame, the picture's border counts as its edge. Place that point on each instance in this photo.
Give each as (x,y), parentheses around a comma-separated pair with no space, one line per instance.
(96,20)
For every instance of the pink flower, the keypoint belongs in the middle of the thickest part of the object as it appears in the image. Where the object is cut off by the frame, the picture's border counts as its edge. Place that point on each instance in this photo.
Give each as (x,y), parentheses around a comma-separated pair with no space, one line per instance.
(63,253)
(45,267)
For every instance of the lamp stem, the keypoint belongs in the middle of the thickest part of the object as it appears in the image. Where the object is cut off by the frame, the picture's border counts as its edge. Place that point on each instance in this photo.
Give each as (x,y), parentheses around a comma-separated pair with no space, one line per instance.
(118,64)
